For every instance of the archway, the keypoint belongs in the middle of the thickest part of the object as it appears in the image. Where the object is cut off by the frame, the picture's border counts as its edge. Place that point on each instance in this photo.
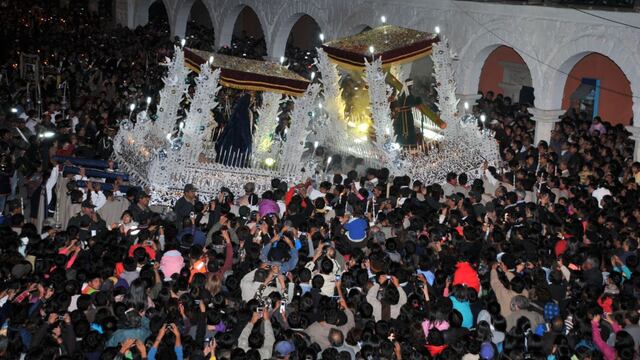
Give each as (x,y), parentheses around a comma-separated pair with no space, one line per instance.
(597,86)
(199,29)
(157,14)
(301,45)
(505,72)
(247,38)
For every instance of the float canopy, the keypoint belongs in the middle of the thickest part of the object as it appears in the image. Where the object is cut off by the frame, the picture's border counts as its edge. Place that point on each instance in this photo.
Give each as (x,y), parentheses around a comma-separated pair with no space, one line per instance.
(245,74)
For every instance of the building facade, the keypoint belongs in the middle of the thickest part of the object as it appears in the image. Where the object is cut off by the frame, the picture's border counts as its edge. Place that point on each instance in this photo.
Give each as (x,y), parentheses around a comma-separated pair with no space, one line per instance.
(549,41)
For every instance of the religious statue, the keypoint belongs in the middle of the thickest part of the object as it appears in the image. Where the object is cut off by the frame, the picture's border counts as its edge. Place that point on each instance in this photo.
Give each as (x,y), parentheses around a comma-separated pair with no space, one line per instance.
(234,142)
(403,122)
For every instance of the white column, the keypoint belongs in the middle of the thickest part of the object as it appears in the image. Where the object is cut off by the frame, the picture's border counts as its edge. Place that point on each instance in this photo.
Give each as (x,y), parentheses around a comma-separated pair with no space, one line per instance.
(635,136)
(545,121)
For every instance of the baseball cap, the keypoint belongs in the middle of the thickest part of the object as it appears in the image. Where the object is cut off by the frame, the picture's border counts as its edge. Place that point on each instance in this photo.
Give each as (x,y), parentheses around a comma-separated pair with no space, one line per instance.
(189,188)
(284,348)
(143,195)
(454,197)
(87,204)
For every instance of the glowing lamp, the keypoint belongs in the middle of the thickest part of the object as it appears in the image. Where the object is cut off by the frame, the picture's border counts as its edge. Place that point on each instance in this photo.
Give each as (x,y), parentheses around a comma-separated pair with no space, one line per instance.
(269,162)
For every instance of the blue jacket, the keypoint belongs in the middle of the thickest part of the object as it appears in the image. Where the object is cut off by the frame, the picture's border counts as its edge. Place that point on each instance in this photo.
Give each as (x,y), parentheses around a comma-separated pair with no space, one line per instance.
(356,229)
(284,267)
(141,333)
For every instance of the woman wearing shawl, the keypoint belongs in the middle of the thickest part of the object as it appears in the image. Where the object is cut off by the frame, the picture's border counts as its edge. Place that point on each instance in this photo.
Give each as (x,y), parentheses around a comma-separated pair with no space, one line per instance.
(234,143)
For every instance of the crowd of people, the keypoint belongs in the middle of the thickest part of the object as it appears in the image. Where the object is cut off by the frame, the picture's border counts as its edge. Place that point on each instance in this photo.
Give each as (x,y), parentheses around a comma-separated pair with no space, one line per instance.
(537,259)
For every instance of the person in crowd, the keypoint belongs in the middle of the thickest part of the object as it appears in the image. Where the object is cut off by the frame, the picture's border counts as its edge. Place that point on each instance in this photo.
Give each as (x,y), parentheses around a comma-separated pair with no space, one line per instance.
(184,207)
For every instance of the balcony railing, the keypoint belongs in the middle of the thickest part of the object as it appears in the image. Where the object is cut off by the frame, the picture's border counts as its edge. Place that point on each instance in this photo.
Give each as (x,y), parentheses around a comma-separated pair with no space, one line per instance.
(607,5)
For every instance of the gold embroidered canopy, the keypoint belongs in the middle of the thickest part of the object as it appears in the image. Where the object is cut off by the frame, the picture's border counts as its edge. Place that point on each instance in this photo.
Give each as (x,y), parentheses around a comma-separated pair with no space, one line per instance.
(246,74)
(394,44)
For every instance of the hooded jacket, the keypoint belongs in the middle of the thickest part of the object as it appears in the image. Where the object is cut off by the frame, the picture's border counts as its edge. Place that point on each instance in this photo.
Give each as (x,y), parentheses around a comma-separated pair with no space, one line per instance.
(465,274)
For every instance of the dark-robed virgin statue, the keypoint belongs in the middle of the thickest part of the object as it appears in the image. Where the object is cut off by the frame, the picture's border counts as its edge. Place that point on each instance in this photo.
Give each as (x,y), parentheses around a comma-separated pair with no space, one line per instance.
(234,145)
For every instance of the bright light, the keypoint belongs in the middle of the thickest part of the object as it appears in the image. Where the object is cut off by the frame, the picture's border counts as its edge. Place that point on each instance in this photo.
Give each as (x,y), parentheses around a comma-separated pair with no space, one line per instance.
(466,105)
(211,59)
(14,110)
(329,160)
(356,88)
(321,37)
(269,162)
(483,118)
(372,49)
(313,75)
(320,105)
(281,59)
(244,55)
(437,29)
(169,136)
(315,145)
(148,100)
(383,19)
(183,42)
(132,107)
(47,134)
(363,127)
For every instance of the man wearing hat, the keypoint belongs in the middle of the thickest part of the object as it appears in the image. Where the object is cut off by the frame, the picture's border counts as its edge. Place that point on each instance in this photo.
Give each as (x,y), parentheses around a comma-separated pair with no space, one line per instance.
(184,205)
(87,214)
(403,123)
(283,349)
(140,210)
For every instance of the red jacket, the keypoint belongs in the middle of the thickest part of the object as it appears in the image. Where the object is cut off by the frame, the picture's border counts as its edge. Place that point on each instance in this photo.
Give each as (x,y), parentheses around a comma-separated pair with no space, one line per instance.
(466,275)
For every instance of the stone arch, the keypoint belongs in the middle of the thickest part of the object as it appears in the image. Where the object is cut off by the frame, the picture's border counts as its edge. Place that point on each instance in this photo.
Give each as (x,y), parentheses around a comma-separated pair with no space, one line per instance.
(615,96)
(568,54)
(229,19)
(285,30)
(474,55)
(504,72)
(185,12)
(141,11)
